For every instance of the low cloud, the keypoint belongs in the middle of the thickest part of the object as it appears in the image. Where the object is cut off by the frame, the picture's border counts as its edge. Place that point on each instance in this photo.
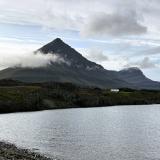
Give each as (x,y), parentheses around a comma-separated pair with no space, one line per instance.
(145,63)
(152,51)
(31,60)
(116,24)
(96,55)
(17,55)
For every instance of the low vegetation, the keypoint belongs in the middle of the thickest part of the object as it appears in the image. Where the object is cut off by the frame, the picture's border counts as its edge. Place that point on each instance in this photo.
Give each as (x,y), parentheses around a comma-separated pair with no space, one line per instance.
(11,152)
(16,96)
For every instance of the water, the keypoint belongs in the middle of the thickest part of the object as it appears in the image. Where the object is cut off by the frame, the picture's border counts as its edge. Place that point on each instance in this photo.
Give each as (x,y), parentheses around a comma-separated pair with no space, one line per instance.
(111,133)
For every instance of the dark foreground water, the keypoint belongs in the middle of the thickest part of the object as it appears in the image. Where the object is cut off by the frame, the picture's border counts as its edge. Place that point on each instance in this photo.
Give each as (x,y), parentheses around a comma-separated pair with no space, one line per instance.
(111,133)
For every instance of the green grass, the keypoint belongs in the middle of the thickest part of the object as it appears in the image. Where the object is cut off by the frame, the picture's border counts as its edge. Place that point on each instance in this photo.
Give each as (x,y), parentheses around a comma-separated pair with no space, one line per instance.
(17,93)
(64,95)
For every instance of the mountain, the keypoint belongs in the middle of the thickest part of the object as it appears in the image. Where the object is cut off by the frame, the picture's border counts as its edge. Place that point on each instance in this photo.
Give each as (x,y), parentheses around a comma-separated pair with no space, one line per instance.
(74,68)
(136,77)
(70,55)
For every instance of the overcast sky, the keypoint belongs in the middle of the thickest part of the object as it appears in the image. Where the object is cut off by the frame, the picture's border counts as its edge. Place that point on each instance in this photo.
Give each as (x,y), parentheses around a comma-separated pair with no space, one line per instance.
(114,33)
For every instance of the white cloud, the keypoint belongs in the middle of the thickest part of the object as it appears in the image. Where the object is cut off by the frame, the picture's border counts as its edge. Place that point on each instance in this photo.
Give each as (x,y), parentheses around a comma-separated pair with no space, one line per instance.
(118,62)
(17,54)
(94,54)
(108,61)
(115,63)
(145,63)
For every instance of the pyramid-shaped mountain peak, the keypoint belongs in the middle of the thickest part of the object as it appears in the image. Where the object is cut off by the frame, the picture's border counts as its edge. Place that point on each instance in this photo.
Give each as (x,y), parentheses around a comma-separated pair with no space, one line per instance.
(68,53)
(54,46)
(57,40)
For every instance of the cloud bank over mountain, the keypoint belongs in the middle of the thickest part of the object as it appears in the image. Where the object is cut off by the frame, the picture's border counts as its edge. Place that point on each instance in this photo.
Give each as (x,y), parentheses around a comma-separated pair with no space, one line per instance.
(103,17)
(25,57)
(30,60)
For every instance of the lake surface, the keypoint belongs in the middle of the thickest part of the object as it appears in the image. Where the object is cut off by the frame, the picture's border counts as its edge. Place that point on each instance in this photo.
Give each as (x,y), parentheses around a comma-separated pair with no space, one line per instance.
(111,133)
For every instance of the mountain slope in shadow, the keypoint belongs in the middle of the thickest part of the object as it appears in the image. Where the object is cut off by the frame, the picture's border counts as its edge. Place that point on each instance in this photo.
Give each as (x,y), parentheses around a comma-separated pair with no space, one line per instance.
(77,69)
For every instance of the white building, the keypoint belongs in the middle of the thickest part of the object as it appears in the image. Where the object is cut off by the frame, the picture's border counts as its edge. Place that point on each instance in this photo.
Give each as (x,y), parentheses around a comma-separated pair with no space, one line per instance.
(114,90)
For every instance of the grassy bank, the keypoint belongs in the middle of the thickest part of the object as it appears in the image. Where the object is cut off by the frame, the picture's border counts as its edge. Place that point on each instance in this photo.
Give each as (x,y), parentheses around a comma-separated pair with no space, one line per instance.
(11,152)
(15,97)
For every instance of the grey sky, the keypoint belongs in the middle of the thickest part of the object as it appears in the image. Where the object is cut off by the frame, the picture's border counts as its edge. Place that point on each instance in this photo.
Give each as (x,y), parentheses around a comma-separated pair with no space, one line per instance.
(121,31)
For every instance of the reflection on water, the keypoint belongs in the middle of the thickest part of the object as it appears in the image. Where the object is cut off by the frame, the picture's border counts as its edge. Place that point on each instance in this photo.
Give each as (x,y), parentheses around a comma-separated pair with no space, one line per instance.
(111,133)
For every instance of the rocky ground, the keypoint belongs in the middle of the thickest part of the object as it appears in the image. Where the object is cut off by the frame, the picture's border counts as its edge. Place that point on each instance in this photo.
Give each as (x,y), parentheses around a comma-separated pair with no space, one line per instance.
(11,152)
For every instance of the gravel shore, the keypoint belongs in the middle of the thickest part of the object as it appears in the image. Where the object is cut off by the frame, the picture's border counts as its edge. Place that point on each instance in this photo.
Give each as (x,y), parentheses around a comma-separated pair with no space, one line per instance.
(11,152)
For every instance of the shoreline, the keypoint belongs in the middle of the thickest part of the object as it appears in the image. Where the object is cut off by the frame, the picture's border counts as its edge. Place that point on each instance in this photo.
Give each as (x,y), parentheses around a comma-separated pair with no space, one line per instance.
(10,151)
(79,107)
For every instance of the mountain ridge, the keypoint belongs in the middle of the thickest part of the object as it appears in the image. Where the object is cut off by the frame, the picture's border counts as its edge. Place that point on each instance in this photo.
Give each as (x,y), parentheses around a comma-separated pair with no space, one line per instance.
(81,71)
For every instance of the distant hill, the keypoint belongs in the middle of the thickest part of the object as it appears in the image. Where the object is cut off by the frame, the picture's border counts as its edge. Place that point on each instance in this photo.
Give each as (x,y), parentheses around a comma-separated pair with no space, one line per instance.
(77,69)
(136,77)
